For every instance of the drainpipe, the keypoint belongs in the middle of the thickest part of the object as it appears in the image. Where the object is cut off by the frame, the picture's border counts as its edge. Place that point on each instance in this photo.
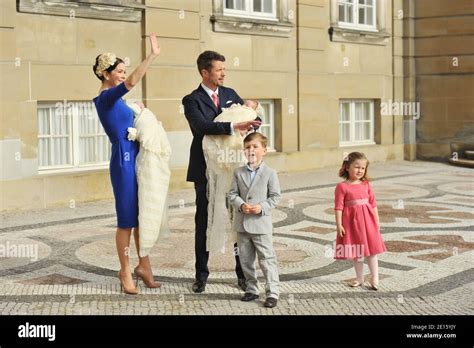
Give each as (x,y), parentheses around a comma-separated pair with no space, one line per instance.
(393,69)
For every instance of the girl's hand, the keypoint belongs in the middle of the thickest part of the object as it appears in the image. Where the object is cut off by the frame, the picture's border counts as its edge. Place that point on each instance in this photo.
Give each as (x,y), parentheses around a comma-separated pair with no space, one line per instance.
(155,46)
(340,231)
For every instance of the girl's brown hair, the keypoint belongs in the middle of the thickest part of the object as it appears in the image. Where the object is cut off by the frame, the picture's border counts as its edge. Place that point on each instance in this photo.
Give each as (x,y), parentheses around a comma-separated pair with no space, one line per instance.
(353,156)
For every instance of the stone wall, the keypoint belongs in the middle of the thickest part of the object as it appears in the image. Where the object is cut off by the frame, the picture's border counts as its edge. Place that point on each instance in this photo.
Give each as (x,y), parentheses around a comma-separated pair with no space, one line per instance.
(444,64)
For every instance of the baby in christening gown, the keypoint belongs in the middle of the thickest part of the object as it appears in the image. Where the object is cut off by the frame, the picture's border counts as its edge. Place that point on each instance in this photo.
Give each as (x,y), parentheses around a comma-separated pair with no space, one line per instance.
(224,153)
(252,104)
(153,175)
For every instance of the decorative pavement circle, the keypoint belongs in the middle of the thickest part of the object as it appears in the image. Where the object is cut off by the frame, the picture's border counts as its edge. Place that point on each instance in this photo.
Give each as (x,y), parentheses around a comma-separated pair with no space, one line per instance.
(406,214)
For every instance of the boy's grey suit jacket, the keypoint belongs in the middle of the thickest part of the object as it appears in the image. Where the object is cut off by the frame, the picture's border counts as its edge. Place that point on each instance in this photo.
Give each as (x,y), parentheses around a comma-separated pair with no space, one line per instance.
(264,190)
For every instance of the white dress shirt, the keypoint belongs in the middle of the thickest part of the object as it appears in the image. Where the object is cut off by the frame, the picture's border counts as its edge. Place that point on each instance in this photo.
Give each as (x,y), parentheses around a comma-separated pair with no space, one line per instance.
(210,92)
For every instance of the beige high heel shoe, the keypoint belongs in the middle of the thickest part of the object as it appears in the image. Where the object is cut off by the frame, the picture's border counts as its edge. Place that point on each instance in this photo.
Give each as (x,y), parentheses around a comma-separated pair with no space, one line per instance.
(147,278)
(123,288)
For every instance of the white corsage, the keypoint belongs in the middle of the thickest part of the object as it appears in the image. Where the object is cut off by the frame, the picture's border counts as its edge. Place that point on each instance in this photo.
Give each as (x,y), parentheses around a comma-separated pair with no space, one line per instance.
(106,60)
(132,133)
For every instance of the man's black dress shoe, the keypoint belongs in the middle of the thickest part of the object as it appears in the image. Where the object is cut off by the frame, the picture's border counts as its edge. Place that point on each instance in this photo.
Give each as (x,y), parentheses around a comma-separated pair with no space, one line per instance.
(249,297)
(270,302)
(242,284)
(199,286)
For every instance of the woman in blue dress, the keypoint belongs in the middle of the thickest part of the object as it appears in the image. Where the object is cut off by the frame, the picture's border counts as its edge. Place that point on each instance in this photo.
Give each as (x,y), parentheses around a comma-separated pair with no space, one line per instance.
(116,117)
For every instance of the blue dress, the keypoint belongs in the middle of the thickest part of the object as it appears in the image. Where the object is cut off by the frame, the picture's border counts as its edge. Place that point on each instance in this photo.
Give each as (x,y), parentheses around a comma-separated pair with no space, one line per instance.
(116,117)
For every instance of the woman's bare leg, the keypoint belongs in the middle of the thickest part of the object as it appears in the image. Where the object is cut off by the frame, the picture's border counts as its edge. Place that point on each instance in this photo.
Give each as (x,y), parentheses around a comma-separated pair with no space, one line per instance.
(144,266)
(122,241)
(143,262)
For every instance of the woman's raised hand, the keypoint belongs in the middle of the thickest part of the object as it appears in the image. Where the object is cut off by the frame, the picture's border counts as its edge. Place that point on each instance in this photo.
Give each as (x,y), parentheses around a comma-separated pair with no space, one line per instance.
(155,46)
(140,70)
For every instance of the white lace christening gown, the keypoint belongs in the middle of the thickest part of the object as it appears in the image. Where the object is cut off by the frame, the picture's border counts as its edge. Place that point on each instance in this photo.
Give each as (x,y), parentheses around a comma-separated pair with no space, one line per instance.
(153,176)
(223,153)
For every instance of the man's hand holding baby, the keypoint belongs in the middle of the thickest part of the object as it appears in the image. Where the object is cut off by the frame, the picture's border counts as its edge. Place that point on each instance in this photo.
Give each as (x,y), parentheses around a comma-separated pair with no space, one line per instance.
(247,126)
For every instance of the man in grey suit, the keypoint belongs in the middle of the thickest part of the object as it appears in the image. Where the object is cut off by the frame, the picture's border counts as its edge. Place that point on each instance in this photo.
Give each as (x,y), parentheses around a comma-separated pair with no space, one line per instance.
(255,192)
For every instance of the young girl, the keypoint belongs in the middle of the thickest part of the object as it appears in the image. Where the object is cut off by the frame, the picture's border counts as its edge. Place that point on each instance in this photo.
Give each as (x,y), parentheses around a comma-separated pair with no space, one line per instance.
(357,219)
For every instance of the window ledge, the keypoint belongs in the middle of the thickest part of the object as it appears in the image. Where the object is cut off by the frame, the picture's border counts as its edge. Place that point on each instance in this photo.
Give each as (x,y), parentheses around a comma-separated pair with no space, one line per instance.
(252,26)
(352,35)
(73,171)
(117,10)
(357,144)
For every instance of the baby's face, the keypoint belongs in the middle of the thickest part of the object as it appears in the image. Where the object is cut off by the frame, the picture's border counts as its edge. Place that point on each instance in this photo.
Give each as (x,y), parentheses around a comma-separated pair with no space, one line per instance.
(251,104)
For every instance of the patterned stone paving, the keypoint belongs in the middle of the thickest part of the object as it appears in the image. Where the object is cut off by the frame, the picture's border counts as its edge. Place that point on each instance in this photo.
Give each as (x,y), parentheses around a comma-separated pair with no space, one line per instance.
(427,222)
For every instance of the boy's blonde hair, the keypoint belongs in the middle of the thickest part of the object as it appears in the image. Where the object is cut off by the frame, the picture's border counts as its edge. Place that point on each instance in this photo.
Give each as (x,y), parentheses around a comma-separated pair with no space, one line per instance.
(256,136)
(353,156)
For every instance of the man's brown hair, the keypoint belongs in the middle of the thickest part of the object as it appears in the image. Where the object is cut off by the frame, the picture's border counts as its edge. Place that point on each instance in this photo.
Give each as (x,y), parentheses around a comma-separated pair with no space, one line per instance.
(204,61)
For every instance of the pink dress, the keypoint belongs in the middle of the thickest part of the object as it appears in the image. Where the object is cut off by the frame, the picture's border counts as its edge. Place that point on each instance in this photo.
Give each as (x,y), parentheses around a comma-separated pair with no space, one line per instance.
(362,237)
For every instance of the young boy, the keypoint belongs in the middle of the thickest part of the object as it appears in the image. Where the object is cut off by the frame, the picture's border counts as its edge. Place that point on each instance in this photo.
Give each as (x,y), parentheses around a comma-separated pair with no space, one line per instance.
(255,191)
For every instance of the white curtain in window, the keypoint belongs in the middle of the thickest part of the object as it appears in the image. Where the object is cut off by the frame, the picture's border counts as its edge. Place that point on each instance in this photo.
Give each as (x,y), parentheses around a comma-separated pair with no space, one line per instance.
(83,130)
(263,6)
(43,152)
(362,121)
(235,4)
(345,11)
(89,128)
(43,121)
(357,124)
(43,129)
(344,122)
(53,134)
(366,12)
(266,128)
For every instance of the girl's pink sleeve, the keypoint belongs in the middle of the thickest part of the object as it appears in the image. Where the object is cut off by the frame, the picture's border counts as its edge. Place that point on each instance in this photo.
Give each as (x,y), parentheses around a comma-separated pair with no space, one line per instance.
(372,201)
(339,197)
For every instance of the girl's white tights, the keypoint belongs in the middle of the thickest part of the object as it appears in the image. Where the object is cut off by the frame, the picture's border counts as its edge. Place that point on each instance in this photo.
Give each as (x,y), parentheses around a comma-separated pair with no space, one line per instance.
(373,267)
(359,268)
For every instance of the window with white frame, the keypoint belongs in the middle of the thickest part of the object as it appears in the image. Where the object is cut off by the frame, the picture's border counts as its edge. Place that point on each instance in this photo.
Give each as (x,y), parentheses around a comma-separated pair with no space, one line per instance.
(357,14)
(267,127)
(356,122)
(260,9)
(54,138)
(70,137)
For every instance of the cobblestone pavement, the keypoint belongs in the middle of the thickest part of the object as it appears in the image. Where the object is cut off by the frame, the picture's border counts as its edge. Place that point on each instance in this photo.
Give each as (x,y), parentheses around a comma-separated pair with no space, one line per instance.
(427,223)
